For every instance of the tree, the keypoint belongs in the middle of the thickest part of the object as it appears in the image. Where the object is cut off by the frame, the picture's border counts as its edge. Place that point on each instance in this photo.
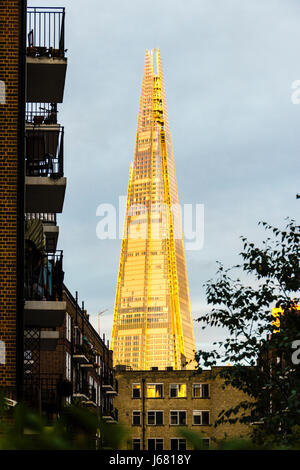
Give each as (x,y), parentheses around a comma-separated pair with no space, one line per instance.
(261,348)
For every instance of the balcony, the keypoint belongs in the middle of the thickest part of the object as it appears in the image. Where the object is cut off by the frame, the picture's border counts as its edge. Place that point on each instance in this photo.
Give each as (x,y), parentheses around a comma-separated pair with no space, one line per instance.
(41,113)
(86,393)
(47,339)
(51,230)
(43,288)
(45,184)
(110,414)
(84,356)
(46,391)
(109,384)
(46,61)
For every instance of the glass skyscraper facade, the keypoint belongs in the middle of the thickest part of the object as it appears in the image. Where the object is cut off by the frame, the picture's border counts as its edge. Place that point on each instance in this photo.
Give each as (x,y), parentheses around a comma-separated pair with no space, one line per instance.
(153,325)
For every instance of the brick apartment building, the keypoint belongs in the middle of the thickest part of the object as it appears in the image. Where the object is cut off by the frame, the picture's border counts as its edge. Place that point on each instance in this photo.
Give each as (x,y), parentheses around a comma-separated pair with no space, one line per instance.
(155,404)
(69,363)
(12,128)
(49,352)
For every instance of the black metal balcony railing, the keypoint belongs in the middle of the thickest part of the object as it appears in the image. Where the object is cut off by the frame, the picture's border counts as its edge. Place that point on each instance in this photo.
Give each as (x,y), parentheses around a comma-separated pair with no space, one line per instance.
(46,218)
(87,391)
(110,411)
(46,32)
(84,349)
(45,152)
(108,379)
(45,391)
(41,113)
(43,276)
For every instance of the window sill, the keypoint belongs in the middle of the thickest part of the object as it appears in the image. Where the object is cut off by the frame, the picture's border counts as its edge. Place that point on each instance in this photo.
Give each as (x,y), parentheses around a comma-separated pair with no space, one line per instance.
(178,398)
(201,425)
(177,424)
(201,398)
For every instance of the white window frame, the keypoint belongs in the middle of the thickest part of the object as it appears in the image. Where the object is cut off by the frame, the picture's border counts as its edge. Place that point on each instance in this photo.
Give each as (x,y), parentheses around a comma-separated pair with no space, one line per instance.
(177,389)
(155,383)
(136,383)
(136,411)
(208,440)
(137,439)
(178,423)
(199,413)
(68,366)
(156,439)
(201,392)
(68,327)
(155,411)
(177,439)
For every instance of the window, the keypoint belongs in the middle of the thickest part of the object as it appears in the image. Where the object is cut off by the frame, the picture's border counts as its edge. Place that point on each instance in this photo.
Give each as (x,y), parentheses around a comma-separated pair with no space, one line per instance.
(200,390)
(68,400)
(98,362)
(68,366)
(136,390)
(155,418)
(200,418)
(154,390)
(178,417)
(178,444)
(178,390)
(136,418)
(136,444)
(205,442)
(68,327)
(156,444)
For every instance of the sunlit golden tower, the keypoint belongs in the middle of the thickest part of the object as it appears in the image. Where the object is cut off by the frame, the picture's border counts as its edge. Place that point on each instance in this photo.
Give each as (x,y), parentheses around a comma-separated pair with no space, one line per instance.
(153,324)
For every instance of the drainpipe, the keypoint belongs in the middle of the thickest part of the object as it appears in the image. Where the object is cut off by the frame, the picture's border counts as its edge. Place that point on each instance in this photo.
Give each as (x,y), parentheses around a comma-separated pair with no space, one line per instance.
(143,414)
(21,206)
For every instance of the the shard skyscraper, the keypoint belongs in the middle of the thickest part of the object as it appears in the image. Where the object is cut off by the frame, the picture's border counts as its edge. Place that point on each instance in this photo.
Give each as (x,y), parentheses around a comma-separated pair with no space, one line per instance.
(153,324)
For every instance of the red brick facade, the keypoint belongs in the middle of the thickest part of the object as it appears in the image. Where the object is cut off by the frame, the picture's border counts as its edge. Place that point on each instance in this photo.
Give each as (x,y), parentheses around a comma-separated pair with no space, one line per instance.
(10,27)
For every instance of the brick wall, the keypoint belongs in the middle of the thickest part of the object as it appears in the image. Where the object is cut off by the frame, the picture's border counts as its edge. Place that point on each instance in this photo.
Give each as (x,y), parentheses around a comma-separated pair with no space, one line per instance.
(9,115)
(218,400)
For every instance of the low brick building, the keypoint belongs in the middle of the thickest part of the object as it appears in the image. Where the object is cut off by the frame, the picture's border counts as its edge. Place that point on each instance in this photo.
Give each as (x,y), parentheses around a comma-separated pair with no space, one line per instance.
(155,404)
(69,363)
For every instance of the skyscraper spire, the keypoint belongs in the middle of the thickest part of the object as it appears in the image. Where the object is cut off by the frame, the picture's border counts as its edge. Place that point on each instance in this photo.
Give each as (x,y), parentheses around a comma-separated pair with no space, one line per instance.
(153,323)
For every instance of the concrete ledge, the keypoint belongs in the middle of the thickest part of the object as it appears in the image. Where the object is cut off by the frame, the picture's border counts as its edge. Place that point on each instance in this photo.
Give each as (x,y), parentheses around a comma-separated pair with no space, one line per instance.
(44,313)
(46,79)
(44,194)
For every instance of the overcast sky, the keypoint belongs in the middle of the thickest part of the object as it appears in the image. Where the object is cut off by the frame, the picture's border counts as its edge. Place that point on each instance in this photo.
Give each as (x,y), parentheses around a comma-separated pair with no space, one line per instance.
(229,66)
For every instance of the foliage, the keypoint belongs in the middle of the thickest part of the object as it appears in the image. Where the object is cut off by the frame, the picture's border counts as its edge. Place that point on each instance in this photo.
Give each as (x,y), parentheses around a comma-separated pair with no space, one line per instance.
(77,428)
(261,354)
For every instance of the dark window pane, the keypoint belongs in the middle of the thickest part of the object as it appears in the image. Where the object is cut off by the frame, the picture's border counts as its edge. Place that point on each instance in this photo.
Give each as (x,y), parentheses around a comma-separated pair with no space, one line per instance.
(159,444)
(205,391)
(159,417)
(136,444)
(151,417)
(136,418)
(173,417)
(197,419)
(136,391)
(205,443)
(174,444)
(182,417)
(205,417)
(182,444)
(151,444)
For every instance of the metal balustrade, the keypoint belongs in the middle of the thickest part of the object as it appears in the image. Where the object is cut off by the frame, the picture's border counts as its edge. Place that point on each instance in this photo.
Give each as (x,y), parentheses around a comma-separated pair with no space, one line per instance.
(46,32)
